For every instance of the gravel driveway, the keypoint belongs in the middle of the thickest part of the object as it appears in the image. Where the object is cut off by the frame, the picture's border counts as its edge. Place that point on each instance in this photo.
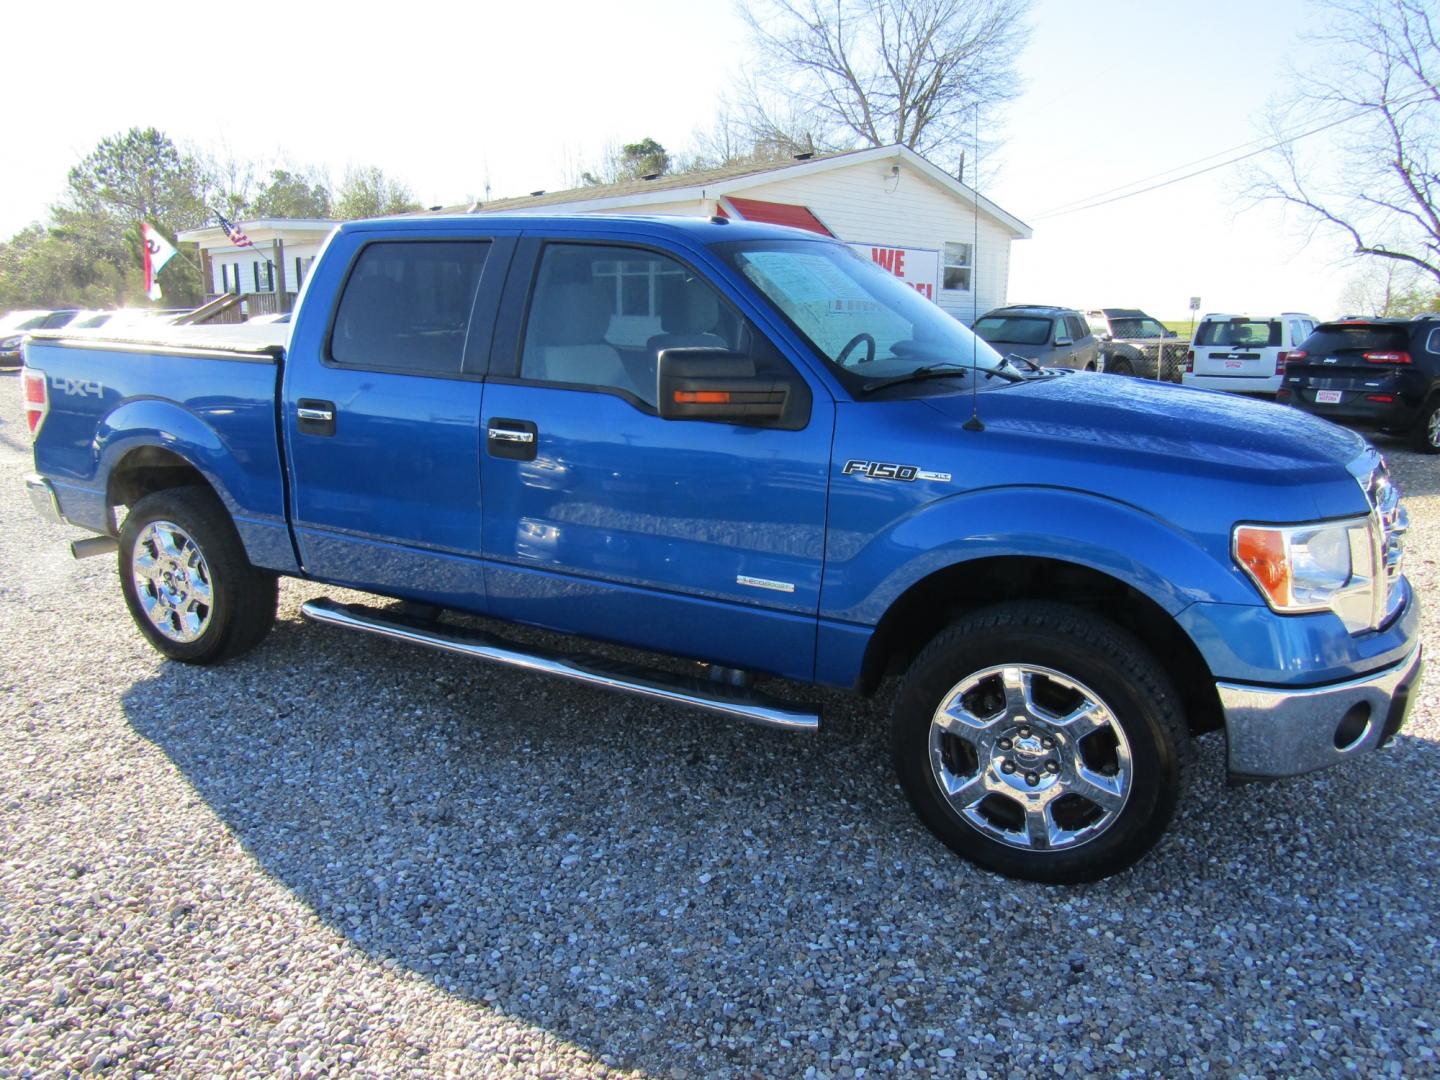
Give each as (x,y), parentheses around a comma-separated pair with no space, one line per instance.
(338,856)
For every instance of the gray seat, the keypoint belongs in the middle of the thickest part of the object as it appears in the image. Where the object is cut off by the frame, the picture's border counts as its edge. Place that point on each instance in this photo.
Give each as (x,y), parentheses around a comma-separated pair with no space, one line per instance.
(689,323)
(566,339)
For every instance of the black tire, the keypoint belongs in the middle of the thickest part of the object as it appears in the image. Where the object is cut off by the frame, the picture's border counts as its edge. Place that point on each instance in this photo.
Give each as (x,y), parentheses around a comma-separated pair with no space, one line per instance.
(1145,740)
(1427,434)
(1119,365)
(213,605)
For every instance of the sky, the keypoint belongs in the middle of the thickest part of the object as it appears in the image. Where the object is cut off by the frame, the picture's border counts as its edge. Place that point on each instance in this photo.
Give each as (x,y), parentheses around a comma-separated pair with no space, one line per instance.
(454,99)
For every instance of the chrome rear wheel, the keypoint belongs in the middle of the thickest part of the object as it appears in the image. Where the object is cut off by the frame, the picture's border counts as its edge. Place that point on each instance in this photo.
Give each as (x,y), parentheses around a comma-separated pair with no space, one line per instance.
(172,581)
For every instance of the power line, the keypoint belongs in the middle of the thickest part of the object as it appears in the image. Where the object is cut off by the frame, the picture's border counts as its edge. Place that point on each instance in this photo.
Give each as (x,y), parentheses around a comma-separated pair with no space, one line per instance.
(1055,210)
(1091,202)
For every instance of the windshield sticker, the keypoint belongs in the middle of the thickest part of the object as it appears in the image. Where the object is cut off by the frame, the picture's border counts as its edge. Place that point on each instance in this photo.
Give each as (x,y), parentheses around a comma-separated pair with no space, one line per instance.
(805,279)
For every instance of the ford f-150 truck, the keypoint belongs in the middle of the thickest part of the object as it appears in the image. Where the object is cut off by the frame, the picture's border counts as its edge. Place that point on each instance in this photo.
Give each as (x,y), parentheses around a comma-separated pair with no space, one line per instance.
(745,446)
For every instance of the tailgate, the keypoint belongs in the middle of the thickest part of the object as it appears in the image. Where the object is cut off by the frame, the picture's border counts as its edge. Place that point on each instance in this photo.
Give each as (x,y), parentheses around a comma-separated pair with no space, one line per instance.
(1235,362)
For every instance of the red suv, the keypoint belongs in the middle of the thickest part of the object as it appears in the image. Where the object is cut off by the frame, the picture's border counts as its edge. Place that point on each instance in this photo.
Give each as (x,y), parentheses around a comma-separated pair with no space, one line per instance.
(1378,373)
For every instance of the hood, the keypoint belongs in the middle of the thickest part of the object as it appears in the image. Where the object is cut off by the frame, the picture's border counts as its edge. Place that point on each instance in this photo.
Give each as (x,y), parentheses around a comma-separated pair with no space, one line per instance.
(1117,425)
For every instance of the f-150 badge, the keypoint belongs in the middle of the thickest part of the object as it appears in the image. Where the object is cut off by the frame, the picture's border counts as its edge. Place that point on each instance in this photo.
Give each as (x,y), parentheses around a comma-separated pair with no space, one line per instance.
(888,470)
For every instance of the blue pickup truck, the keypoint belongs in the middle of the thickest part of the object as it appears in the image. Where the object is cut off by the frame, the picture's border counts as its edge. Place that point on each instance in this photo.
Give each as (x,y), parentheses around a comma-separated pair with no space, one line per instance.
(744,446)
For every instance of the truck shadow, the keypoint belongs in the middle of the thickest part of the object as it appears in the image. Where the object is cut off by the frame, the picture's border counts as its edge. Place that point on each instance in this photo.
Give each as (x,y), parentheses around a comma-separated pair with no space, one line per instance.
(668,890)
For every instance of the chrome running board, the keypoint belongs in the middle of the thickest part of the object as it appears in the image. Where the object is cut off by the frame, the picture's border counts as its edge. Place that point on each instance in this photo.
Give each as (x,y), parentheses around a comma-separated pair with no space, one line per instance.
(715,697)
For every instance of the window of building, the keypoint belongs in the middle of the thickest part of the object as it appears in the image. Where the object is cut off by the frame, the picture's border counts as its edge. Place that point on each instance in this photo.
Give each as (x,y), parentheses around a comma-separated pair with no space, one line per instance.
(406,306)
(957,267)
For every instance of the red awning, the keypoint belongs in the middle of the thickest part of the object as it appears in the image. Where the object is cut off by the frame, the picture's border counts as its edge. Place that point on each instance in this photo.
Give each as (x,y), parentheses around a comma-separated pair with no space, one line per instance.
(776,213)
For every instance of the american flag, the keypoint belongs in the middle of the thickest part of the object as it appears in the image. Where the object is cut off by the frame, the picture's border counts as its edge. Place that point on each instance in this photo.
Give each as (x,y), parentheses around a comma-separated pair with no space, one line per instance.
(233,231)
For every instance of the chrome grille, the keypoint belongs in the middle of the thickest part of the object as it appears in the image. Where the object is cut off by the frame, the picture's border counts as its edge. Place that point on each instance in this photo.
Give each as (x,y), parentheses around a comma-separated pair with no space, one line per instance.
(1384,499)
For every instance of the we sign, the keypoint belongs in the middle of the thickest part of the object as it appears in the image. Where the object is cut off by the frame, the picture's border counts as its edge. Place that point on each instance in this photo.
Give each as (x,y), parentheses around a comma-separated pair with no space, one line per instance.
(917,267)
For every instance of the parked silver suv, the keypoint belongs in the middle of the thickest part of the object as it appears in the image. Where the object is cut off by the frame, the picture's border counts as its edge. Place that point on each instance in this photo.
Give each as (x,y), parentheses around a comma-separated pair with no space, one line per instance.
(1050,336)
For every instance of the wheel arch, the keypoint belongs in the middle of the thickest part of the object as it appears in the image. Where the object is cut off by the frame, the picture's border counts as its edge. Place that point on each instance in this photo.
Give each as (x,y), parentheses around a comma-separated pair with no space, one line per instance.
(144,470)
(931,603)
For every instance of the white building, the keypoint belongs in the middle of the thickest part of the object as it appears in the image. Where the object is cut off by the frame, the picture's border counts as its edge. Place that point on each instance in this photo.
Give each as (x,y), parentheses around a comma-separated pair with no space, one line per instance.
(266,274)
(910,216)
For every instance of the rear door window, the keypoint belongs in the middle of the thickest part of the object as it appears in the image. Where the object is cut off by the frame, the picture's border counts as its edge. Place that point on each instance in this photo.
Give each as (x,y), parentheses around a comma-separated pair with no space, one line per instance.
(1078,329)
(406,306)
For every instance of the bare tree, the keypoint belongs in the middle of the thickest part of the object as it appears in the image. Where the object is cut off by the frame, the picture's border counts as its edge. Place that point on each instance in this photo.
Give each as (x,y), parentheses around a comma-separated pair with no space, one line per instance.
(876,72)
(1390,288)
(1373,73)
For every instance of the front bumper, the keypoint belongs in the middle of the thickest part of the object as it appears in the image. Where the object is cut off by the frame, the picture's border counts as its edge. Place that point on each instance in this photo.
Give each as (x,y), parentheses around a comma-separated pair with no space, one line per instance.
(1277,731)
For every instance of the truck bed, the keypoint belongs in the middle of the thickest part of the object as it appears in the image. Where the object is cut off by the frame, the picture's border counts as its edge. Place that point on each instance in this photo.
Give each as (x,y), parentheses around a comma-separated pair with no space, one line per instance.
(252,339)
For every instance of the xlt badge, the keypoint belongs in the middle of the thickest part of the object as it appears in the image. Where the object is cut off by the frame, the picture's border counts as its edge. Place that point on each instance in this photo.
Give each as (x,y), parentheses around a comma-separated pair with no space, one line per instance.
(889,470)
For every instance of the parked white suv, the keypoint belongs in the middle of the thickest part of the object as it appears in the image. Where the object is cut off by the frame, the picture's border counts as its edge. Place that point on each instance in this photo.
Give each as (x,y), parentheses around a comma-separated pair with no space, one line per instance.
(1244,354)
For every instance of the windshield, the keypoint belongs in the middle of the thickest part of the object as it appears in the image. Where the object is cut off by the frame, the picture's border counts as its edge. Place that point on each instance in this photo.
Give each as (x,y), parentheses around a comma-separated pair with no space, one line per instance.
(867,323)
(1136,328)
(1244,333)
(1010,330)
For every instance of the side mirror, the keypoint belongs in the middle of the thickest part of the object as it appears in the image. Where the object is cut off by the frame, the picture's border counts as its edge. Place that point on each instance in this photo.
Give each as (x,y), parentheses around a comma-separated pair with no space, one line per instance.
(1064,341)
(716,384)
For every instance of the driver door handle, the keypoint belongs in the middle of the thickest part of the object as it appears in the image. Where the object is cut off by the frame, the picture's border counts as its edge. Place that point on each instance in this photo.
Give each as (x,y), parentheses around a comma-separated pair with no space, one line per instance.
(512,439)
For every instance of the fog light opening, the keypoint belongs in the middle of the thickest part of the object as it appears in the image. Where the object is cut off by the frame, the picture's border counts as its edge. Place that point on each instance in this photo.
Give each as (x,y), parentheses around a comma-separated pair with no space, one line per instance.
(1353,727)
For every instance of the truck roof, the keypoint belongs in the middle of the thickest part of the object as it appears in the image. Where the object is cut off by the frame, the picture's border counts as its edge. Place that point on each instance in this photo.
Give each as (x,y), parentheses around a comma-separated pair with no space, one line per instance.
(712,230)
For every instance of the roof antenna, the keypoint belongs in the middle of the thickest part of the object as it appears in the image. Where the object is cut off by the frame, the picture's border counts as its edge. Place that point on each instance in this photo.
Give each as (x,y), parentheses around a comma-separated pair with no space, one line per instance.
(974,424)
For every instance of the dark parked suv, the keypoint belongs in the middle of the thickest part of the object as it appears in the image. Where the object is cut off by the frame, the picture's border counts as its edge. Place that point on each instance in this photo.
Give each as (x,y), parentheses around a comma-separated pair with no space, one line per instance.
(1379,373)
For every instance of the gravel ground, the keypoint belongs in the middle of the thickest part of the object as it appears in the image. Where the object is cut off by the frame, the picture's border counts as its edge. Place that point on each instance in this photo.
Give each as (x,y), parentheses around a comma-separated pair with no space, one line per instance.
(337,856)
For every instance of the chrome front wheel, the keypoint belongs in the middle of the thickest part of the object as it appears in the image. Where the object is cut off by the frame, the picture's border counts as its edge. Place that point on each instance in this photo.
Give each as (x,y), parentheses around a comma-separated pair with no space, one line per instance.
(1042,741)
(1030,757)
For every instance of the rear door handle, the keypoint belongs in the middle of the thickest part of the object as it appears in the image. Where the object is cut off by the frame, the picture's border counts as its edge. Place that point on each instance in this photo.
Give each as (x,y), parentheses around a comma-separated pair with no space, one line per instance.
(513,439)
(315,417)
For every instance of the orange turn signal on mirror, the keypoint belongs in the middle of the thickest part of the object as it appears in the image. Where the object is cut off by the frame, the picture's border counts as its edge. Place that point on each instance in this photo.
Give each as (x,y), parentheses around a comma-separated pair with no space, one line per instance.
(702,397)
(1262,553)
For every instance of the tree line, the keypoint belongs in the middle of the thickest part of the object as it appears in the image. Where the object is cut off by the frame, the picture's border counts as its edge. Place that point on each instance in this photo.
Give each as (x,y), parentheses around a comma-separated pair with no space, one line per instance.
(829,75)
(88,252)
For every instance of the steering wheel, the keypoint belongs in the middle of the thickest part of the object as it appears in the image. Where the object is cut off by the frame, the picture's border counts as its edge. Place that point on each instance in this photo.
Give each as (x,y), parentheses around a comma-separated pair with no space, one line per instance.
(850,345)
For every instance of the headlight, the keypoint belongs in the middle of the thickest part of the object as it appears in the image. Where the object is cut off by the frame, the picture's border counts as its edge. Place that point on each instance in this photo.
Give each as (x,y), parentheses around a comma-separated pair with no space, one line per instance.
(11,343)
(1308,568)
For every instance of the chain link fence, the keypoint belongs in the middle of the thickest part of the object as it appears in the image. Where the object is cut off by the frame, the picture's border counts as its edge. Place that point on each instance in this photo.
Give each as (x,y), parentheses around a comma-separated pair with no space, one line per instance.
(1162,360)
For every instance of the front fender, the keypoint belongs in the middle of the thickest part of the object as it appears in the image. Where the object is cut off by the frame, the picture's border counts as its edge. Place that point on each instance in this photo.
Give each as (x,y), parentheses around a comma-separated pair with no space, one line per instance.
(864,578)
